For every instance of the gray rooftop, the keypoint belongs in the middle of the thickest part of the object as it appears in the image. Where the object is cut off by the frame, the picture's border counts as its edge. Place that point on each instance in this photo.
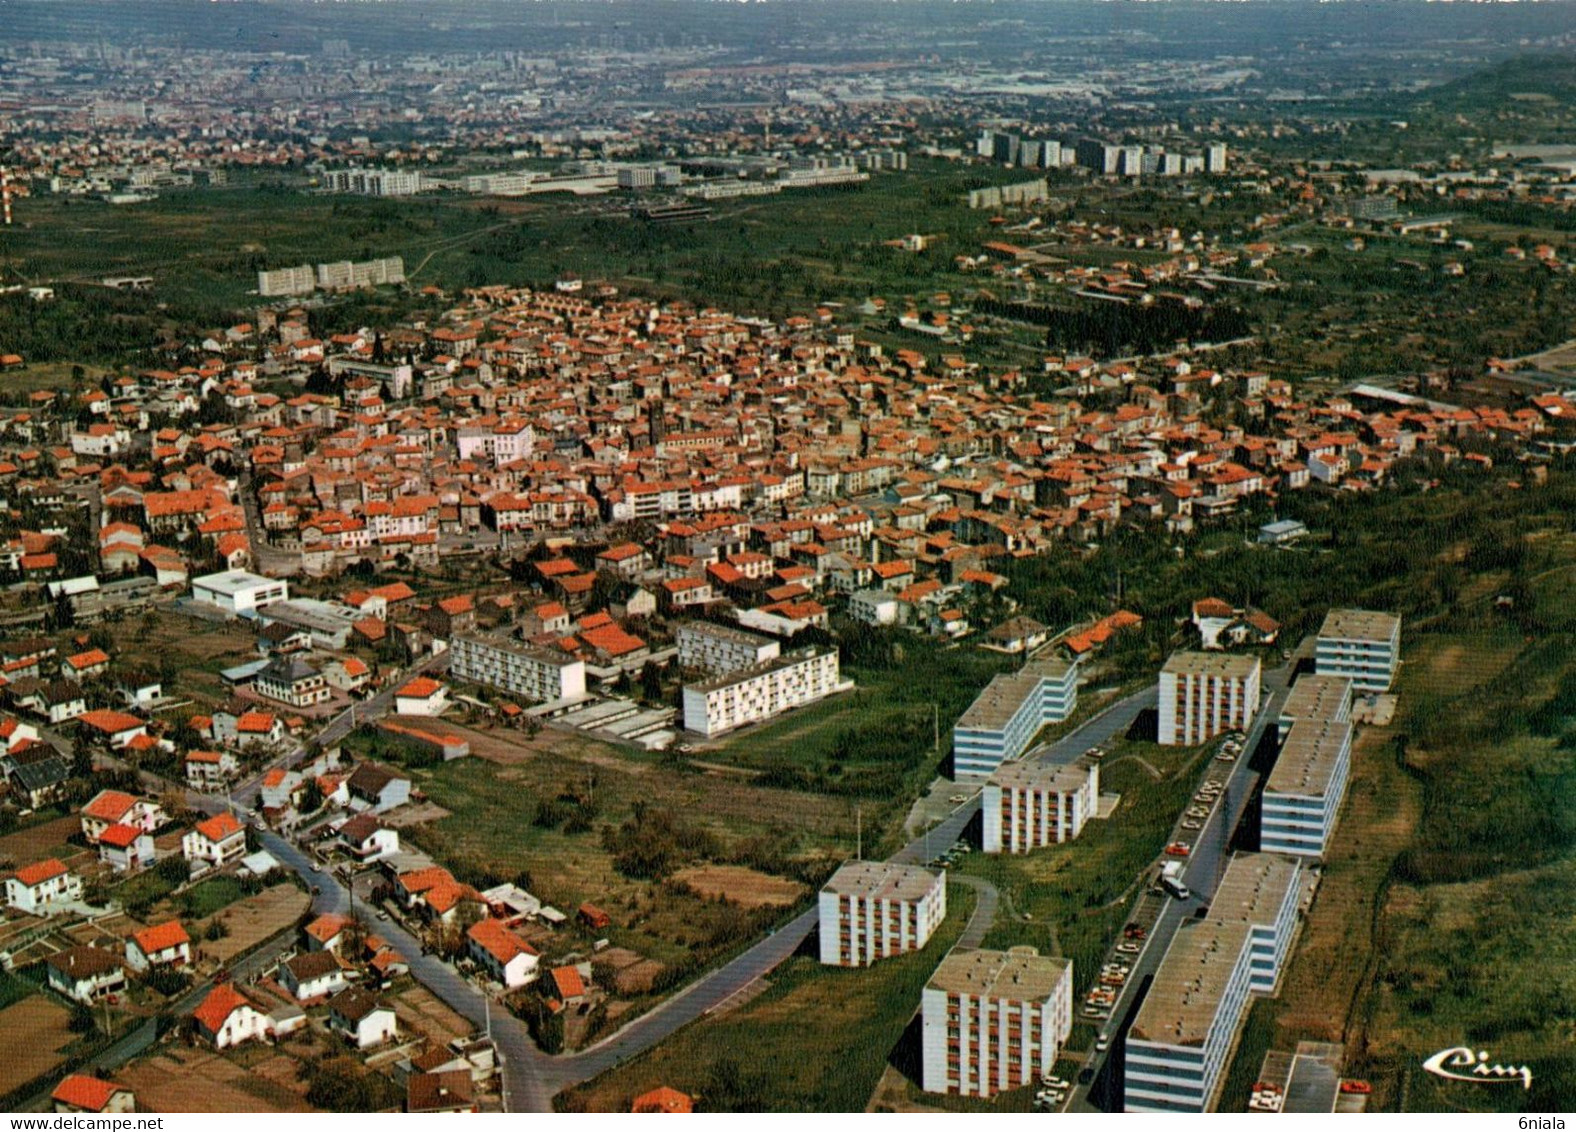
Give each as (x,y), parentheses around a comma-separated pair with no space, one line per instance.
(1223,665)
(1019,975)
(1360,625)
(879,880)
(1308,757)
(1185,996)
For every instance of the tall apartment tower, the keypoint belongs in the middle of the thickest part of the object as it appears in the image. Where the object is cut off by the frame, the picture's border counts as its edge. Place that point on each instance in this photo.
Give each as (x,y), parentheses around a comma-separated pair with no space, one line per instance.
(993,1020)
(1206,694)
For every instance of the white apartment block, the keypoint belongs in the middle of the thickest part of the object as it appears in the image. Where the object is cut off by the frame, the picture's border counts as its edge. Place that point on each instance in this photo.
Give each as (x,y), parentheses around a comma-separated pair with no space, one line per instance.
(993,1020)
(720,649)
(873,910)
(1029,804)
(1361,645)
(1315,697)
(1004,718)
(1302,798)
(1206,694)
(1178,1044)
(532,673)
(749,696)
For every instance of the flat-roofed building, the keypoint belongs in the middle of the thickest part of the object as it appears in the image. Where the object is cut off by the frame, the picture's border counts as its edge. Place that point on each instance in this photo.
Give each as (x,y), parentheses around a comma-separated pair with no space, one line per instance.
(1029,804)
(1004,718)
(238,592)
(1177,1046)
(1359,644)
(1206,694)
(759,693)
(1302,798)
(537,674)
(993,1020)
(873,910)
(720,649)
(1315,697)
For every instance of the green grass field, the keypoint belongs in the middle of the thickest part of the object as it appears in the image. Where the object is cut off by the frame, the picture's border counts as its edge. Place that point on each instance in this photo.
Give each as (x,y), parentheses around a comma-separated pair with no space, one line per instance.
(207,897)
(817,1040)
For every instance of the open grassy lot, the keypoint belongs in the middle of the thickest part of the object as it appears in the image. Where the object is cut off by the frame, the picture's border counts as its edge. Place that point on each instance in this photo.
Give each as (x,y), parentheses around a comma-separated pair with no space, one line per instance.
(209,896)
(1442,915)
(817,1040)
(189,652)
(588,823)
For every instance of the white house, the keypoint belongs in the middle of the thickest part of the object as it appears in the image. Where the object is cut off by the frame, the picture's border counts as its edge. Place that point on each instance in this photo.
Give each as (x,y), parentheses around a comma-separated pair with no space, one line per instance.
(126,848)
(163,945)
(85,973)
(39,889)
(361,1019)
(215,842)
(312,975)
(368,839)
(209,770)
(227,1018)
(422,696)
(506,957)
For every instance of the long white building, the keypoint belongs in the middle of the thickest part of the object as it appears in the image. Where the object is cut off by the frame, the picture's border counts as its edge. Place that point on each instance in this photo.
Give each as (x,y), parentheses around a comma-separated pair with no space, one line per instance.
(751,695)
(1177,1046)
(1206,694)
(1302,798)
(1315,697)
(720,649)
(1361,645)
(873,910)
(993,1020)
(1004,718)
(525,670)
(1029,804)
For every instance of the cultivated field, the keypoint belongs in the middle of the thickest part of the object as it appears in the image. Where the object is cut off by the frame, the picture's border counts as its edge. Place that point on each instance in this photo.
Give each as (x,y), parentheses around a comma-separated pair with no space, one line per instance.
(182,1079)
(32,1034)
(420,1012)
(47,839)
(746,887)
(253,919)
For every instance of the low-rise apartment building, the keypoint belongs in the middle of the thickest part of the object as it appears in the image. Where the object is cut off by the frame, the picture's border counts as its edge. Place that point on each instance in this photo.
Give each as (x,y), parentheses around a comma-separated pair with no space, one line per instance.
(1206,694)
(755,694)
(1177,1046)
(536,674)
(720,649)
(1004,718)
(993,1020)
(1361,645)
(1302,798)
(872,910)
(1029,804)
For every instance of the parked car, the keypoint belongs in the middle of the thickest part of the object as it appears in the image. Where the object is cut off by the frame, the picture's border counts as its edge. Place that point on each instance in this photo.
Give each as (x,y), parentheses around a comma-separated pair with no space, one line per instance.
(1352,1085)
(1178,849)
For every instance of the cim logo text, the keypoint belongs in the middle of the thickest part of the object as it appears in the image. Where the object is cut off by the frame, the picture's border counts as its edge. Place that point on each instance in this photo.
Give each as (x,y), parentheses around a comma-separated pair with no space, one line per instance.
(1460,1063)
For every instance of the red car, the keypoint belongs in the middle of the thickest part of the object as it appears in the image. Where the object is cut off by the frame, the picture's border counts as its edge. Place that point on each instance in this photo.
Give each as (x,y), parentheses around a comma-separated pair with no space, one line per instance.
(1362,1087)
(1178,849)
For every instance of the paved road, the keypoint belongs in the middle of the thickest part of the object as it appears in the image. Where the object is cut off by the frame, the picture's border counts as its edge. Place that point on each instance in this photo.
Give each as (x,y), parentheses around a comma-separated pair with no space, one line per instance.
(1206,864)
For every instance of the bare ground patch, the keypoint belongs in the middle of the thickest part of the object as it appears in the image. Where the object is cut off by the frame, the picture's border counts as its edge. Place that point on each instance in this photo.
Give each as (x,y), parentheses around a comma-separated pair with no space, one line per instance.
(744,886)
(32,1034)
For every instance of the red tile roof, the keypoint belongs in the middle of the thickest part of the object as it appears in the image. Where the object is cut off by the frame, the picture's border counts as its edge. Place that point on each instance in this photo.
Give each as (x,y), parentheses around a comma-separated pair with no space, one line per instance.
(161,937)
(39,872)
(81,1091)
